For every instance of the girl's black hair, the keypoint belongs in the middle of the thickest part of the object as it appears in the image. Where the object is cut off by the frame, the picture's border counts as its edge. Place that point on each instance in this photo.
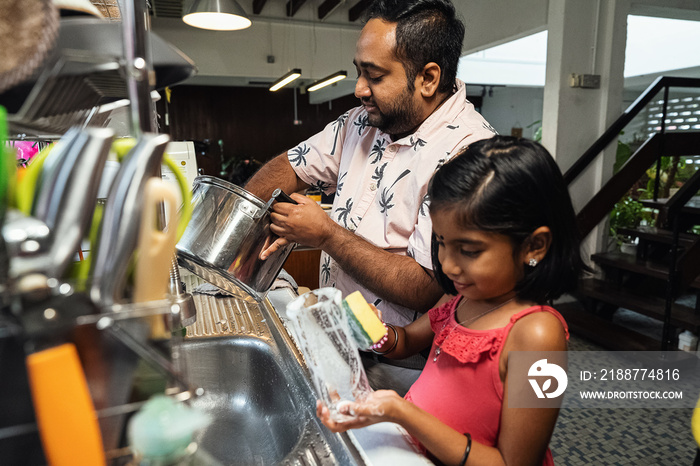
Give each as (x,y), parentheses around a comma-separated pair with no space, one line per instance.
(426,31)
(512,186)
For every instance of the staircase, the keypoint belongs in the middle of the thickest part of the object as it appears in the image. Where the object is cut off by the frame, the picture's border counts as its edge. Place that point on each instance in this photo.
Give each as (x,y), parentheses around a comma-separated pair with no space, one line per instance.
(662,279)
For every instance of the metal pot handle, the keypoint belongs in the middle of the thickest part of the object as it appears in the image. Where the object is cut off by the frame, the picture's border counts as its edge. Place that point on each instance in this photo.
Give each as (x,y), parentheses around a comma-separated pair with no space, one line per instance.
(278,196)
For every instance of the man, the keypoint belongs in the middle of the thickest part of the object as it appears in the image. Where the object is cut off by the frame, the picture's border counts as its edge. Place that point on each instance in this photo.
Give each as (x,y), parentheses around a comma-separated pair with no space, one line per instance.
(378,159)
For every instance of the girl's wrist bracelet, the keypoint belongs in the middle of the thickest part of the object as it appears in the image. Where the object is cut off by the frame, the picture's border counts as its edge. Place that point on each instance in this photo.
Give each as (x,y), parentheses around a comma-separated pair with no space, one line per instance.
(383,340)
(467,450)
(380,343)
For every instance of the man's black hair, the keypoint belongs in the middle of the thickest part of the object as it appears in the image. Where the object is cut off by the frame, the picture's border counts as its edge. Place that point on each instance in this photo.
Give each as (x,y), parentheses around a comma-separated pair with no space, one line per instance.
(512,186)
(426,31)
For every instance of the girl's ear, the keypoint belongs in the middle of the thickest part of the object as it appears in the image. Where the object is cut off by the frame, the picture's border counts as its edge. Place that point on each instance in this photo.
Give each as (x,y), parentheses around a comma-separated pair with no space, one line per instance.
(536,246)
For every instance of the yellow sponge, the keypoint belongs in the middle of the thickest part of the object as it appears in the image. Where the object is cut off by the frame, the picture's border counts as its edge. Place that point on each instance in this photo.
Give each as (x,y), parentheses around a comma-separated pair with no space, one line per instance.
(366,327)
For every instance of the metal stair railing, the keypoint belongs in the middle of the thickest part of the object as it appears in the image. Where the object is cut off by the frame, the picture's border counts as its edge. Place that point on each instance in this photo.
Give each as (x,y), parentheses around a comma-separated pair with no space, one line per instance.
(662,82)
(659,145)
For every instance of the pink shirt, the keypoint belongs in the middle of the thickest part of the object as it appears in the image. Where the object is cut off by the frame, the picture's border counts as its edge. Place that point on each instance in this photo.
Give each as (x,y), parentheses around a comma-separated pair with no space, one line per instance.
(463,386)
(381,185)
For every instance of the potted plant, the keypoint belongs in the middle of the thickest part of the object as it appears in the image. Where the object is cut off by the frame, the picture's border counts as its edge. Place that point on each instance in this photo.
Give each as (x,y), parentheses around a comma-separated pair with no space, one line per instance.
(627,213)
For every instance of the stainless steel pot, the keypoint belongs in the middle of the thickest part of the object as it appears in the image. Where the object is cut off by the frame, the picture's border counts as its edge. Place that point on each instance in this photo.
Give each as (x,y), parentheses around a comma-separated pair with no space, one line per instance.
(223,240)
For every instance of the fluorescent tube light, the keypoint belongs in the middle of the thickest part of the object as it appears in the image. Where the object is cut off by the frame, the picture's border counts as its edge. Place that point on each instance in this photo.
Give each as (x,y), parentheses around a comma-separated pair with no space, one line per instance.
(328,80)
(286,79)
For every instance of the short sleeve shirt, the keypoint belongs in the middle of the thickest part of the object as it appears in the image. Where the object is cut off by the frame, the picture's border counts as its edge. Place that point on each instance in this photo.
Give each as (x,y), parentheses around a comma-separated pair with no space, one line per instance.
(381,185)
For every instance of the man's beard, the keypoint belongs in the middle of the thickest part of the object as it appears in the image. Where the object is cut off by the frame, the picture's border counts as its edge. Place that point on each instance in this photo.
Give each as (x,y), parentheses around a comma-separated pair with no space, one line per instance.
(401,117)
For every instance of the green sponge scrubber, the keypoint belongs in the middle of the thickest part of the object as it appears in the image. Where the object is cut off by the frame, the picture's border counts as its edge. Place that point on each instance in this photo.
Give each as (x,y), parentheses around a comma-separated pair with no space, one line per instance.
(367,329)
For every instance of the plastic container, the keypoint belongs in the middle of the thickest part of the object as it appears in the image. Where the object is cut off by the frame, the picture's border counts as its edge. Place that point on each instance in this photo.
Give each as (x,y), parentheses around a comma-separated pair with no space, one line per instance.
(322,330)
(314,194)
(688,341)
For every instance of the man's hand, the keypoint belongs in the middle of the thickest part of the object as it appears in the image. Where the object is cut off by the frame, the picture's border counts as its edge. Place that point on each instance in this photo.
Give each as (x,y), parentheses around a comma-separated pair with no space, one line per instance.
(270,249)
(305,223)
(383,272)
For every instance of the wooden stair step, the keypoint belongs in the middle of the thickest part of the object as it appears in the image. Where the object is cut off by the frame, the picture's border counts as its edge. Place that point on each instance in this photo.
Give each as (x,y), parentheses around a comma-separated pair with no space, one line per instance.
(659,235)
(691,208)
(603,332)
(631,263)
(681,316)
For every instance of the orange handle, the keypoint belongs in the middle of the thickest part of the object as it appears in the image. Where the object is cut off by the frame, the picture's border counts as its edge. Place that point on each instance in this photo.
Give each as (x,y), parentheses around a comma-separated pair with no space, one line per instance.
(65,414)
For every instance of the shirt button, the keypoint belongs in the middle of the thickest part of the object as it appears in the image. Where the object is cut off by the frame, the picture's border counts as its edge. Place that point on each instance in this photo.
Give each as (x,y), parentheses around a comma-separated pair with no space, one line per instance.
(373,186)
(391,148)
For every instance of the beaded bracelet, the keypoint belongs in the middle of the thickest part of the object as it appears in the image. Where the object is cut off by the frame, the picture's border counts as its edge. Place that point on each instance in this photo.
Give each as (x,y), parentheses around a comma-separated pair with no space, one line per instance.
(467,450)
(383,340)
(396,340)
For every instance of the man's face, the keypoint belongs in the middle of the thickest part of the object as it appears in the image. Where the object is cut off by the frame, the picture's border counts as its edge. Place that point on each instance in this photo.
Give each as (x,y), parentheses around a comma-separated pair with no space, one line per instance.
(382,86)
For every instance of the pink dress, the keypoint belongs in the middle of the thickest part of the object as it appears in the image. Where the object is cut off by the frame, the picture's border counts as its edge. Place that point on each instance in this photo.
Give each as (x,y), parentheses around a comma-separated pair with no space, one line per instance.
(468,358)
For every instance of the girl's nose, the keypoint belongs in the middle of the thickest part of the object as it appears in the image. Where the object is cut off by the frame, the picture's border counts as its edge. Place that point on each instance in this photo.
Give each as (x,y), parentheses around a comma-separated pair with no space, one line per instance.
(361,88)
(449,266)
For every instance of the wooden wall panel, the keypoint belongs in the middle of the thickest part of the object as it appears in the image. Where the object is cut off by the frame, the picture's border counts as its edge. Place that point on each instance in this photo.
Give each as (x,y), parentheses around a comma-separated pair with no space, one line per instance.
(303,265)
(252,123)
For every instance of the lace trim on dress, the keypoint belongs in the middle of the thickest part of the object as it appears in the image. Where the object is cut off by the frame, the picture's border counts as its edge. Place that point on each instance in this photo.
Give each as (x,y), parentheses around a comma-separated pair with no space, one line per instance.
(459,342)
(468,347)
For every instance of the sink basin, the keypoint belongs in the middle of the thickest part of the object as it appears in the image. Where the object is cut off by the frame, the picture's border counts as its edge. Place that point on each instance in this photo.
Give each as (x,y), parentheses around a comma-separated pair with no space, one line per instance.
(255,389)
(255,409)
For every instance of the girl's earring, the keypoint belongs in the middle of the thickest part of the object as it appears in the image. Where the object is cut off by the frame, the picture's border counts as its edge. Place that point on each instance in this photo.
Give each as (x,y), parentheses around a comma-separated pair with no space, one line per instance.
(532,262)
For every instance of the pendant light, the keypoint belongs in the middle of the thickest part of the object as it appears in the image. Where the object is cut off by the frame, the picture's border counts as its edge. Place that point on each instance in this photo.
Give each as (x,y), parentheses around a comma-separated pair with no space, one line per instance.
(286,79)
(217,15)
(328,80)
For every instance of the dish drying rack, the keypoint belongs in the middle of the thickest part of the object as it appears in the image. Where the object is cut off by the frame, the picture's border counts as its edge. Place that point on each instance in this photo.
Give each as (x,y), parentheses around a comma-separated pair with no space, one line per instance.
(88,75)
(80,88)
(111,342)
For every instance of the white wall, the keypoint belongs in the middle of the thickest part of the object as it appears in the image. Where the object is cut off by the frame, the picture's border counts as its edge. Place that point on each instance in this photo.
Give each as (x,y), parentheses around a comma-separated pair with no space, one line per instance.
(322,48)
(493,22)
(511,107)
(236,57)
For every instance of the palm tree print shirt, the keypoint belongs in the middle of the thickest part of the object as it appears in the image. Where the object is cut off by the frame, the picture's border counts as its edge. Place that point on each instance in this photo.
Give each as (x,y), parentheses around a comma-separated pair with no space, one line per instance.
(381,185)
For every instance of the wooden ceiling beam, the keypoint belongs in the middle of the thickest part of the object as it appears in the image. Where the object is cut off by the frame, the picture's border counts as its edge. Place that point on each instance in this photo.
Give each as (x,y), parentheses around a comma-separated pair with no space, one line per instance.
(258,6)
(293,6)
(356,11)
(327,7)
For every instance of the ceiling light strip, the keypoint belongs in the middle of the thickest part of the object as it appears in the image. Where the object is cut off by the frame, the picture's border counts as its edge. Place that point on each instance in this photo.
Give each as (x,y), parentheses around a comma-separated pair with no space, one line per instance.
(327,81)
(286,79)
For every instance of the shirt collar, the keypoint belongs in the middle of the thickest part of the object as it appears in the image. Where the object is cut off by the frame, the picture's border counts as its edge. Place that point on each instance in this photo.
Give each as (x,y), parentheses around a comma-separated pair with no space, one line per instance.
(443,115)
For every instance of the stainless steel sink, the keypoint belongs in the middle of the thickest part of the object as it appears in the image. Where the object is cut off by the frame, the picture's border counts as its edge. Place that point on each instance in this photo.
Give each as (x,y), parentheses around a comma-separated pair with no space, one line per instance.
(256,389)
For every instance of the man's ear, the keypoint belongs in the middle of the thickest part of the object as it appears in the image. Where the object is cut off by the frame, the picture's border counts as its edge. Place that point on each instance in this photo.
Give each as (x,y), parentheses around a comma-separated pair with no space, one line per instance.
(428,80)
(537,245)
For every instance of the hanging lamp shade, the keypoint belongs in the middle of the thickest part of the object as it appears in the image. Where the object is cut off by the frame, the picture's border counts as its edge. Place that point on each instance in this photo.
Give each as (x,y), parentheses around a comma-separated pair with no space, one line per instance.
(217,15)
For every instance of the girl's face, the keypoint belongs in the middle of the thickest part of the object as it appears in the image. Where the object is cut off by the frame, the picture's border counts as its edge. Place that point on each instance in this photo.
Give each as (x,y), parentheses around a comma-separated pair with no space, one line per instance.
(479,263)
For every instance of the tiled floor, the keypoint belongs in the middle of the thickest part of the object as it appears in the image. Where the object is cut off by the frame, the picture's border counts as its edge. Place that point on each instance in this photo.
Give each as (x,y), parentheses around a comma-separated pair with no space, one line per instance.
(622,436)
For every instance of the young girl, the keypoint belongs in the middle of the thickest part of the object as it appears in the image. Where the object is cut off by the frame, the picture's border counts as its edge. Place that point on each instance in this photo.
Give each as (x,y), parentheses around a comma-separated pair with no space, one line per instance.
(505,243)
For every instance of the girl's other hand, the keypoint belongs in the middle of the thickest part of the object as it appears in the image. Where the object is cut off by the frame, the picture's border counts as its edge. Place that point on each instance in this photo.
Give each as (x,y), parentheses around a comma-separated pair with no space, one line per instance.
(379,406)
(376,311)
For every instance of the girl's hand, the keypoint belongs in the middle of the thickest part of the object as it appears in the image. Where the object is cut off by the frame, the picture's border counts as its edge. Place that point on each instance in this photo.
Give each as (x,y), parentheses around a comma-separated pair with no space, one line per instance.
(379,406)
(376,311)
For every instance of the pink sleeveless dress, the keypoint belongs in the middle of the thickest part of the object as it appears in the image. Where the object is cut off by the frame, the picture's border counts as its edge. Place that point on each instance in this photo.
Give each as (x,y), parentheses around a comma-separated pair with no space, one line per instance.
(463,386)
